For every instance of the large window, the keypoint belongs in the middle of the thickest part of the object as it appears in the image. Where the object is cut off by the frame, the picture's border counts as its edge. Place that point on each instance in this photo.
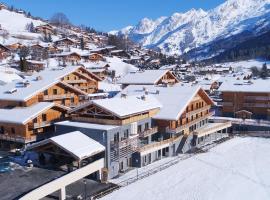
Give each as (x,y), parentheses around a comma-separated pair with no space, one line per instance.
(139,128)
(44,117)
(126,133)
(54,91)
(146,126)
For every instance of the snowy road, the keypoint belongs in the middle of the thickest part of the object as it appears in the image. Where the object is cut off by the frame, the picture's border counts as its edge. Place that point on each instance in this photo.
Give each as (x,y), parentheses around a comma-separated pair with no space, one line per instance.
(236,169)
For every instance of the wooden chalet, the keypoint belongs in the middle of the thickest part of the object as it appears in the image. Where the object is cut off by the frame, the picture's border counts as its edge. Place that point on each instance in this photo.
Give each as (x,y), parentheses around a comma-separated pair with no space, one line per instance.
(120,54)
(22,125)
(69,57)
(149,77)
(2,6)
(15,46)
(65,42)
(93,57)
(45,29)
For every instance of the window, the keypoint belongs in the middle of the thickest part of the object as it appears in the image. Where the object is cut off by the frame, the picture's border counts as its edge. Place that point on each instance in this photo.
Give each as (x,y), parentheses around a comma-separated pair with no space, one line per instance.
(126,133)
(35,120)
(44,117)
(192,107)
(13,130)
(72,100)
(2,129)
(139,128)
(54,91)
(116,137)
(146,126)
(46,92)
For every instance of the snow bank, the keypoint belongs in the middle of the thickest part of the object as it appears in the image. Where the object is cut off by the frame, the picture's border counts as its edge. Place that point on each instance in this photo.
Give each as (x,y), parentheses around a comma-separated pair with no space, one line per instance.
(237,169)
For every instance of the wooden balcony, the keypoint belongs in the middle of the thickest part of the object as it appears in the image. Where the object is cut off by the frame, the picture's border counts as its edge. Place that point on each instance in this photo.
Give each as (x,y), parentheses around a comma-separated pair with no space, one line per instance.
(185,126)
(148,132)
(212,128)
(161,144)
(39,125)
(196,111)
(131,141)
(60,96)
(19,139)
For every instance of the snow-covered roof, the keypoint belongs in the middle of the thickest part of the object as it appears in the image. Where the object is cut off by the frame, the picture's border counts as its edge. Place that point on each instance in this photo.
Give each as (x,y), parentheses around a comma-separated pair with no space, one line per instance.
(48,76)
(87,125)
(233,85)
(125,106)
(174,99)
(21,115)
(143,77)
(76,143)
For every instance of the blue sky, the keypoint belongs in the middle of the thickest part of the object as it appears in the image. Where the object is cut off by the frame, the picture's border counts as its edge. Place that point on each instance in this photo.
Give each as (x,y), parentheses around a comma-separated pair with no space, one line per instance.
(106,15)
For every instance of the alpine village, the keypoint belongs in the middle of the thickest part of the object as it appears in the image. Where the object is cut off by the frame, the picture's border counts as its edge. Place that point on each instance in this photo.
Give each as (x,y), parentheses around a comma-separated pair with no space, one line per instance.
(93,115)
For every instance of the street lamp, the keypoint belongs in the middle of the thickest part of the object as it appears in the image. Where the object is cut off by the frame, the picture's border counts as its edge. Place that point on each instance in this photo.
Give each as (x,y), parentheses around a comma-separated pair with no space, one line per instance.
(84,181)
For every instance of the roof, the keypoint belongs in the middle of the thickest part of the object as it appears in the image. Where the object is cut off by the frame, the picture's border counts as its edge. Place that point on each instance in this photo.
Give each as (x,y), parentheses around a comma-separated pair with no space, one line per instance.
(174,99)
(49,78)
(256,86)
(86,125)
(143,77)
(122,107)
(21,115)
(76,143)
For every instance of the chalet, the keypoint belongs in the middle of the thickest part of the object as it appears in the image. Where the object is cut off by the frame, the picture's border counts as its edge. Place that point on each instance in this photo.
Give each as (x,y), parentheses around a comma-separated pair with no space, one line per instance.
(114,123)
(4,52)
(15,46)
(120,53)
(93,57)
(149,77)
(34,65)
(45,29)
(66,86)
(100,69)
(104,50)
(68,57)
(65,42)
(245,99)
(22,125)
(182,122)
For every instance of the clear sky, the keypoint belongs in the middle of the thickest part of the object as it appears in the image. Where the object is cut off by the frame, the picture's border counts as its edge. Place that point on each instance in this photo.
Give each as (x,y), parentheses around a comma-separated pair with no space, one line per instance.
(106,15)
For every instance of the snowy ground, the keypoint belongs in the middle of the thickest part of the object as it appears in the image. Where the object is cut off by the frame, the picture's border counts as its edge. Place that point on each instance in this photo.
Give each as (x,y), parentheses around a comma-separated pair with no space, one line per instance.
(246,64)
(236,169)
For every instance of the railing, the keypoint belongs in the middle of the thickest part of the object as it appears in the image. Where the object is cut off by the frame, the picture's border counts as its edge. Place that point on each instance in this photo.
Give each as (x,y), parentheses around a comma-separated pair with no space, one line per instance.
(133,141)
(259,98)
(257,105)
(218,127)
(190,113)
(158,144)
(185,126)
(18,139)
(41,124)
(60,96)
(148,132)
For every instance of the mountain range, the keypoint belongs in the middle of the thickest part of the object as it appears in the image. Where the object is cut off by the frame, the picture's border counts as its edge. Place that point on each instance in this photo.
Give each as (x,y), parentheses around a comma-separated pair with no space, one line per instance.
(203,34)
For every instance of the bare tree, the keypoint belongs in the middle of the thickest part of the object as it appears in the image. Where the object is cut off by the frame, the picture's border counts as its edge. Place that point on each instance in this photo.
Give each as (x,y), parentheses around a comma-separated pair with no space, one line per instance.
(60,19)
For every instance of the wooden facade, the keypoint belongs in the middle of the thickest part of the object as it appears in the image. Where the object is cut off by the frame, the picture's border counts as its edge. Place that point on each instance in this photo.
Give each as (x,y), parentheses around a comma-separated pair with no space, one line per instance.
(33,128)
(167,78)
(253,102)
(45,29)
(197,110)
(4,52)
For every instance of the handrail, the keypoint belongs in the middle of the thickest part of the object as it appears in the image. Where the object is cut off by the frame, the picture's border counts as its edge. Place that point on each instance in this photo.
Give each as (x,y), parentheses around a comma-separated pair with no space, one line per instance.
(149,131)
(19,139)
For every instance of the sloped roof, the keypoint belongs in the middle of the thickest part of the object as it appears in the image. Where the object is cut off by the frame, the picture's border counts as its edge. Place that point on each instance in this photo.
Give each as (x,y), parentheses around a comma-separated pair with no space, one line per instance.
(21,115)
(143,77)
(75,143)
(174,99)
(122,107)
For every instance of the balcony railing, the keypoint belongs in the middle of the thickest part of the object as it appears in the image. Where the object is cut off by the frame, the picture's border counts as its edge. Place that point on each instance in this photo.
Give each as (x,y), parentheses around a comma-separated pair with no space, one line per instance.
(212,129)
(60,96)
(159,144)
(190,113)
(185,126)
(19,139)
(132,141)
(148,132)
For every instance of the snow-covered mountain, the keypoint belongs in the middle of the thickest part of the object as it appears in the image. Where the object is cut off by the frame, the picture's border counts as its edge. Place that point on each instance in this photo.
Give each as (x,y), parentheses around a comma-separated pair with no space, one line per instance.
(182,32)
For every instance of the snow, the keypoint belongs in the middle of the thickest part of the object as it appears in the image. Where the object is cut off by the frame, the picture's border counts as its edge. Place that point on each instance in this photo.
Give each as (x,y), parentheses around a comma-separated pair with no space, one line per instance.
(174,99)
(236,169)
(143,77)
(76,143)
(124,106)
(22,115)
(109,87)
(8,76)
(121,68)
(86,125)
(181,32)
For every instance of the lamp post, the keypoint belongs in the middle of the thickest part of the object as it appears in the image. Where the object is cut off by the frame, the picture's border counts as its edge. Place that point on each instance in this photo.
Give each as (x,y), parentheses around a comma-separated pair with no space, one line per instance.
(137,161)
(84,181)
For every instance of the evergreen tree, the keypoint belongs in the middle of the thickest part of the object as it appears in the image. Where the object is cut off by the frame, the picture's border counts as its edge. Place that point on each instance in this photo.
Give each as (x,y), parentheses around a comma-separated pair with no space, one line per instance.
(82,43)
(264,71)
(23,64)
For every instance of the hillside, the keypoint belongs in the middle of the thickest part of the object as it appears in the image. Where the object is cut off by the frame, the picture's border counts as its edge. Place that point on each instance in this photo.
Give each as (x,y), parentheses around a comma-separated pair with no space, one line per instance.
(182,32)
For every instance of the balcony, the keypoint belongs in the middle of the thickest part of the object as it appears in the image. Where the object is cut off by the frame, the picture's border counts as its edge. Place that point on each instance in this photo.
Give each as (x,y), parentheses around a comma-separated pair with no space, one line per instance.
(19,139)
(40,125)
(131,141)
(159,145)
(186,126)
(60,96)
(148,132)
(212,128)
(196,111)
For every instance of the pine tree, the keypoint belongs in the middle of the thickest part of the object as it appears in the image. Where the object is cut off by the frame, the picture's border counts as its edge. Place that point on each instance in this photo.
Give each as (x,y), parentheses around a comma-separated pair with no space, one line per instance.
(82,43)
(264,71)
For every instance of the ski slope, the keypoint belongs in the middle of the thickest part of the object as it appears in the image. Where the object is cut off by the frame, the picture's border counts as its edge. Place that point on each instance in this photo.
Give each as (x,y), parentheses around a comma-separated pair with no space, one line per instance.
(236,169)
